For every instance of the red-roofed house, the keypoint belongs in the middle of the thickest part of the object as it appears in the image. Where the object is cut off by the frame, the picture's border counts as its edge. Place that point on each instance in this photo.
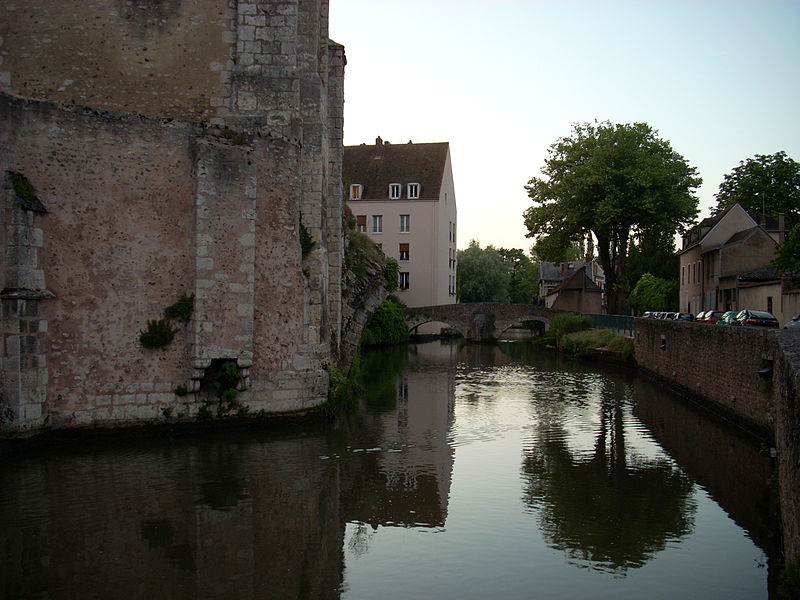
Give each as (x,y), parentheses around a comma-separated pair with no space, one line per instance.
(403,197)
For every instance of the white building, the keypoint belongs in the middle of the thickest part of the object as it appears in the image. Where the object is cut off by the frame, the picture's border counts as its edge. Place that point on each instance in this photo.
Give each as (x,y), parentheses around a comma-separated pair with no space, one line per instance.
(403,198)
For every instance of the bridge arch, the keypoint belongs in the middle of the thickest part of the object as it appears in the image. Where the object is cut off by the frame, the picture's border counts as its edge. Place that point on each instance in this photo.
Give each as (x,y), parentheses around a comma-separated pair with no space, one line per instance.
(480,321)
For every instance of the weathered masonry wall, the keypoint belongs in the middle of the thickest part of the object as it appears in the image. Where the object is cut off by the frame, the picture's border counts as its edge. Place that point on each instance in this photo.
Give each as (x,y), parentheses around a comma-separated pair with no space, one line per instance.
(751,373)
(175,148)
(140,213)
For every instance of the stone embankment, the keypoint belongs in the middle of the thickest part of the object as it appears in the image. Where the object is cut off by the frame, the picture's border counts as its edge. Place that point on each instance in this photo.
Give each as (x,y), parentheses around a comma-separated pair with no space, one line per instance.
(751,374)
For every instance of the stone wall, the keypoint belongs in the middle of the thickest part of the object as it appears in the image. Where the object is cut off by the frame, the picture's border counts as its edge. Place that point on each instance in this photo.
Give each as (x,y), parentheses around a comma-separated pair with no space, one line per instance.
(719,363)
(751,374)
(214,136)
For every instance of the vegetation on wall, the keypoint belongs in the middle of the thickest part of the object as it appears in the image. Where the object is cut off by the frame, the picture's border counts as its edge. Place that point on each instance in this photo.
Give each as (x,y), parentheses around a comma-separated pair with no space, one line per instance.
(181,310)
(25,192)
(387,325)
(306,241)
(159,333)
(220,383)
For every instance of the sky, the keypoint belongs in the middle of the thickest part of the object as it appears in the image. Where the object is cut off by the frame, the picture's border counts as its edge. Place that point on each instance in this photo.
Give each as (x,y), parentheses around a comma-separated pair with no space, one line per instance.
(503,80)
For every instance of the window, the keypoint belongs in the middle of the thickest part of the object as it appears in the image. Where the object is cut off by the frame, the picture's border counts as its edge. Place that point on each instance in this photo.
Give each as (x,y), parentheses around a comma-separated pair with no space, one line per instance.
(403,280)
(355,191)
(769,303)
(413,191)
(404,252)
(405,223)
(361,223)
(377,223)
(395,189)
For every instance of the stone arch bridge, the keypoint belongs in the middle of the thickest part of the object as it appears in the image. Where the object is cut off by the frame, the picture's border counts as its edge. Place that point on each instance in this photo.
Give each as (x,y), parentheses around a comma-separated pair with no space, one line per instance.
(479,321)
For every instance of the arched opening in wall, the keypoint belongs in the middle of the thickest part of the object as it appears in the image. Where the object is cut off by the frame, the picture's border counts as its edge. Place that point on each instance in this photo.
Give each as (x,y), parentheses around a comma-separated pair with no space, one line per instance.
(219,390)
(431,329)
(523,330)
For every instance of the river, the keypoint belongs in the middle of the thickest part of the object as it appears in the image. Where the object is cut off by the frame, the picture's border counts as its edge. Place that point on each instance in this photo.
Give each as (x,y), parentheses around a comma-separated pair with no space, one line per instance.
(461,471)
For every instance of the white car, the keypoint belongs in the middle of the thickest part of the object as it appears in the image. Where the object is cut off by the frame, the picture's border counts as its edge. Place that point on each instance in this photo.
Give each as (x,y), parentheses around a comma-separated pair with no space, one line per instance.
(793,324)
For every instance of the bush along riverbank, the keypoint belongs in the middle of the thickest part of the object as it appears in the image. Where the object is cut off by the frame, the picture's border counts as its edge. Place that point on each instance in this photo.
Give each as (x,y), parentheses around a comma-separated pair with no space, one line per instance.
(573,335)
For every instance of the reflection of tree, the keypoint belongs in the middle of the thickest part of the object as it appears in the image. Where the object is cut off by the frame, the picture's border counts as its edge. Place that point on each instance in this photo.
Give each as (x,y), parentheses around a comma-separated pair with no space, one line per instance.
(612,509)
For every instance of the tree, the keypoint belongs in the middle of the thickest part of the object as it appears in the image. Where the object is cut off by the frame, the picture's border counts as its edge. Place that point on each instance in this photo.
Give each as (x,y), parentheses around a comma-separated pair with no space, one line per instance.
(523,282)
(482,274)
(787,257)
(765,184)
(654,254)
(653,293)
(614,181)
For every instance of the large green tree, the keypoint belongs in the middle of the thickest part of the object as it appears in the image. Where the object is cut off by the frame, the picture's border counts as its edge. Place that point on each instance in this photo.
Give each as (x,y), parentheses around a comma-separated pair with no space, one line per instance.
(613,181)
(764,184)
(483,275)
(523,284)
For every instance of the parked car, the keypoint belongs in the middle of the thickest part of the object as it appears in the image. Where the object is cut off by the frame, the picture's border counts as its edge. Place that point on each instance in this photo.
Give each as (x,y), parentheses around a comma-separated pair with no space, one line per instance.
(647,315)
(727,317)
(711,316)
(755,318)
(679,316)
(793,323)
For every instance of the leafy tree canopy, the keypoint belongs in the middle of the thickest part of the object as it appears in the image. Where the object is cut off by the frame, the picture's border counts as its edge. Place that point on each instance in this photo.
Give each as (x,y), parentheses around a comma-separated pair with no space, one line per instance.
(764,184)
(482,274)
(788,255)
(653,293)
(615,181)
(523,283)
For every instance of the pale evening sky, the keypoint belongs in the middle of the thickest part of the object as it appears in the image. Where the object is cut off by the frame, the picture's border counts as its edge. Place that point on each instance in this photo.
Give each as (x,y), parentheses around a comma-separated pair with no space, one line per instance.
(502,80)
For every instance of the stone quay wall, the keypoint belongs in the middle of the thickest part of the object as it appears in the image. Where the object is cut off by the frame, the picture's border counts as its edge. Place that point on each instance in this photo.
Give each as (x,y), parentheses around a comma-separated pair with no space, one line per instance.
(187,154)
(751,374)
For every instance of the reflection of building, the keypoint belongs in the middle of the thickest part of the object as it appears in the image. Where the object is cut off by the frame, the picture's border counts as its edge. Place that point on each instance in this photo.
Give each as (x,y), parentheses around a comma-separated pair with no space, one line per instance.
(403,198)
(176,520)
(406,481)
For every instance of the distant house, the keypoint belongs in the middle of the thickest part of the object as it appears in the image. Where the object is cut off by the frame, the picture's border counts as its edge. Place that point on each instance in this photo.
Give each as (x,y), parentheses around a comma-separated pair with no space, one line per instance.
(577,293)
(403,197)
(725,258)
(552,275)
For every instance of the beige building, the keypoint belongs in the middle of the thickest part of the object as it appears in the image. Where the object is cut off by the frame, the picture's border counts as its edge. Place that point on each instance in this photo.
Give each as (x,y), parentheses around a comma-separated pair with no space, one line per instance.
(403,198)
(717,251)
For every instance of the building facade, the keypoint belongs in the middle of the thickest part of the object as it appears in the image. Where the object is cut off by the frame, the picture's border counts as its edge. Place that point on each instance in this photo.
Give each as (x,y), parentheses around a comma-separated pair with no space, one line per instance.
(717,252)
(403,197)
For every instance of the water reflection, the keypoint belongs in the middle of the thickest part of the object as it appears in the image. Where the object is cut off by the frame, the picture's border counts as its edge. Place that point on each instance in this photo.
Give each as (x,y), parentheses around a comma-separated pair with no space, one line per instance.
(608,507)
(391,497)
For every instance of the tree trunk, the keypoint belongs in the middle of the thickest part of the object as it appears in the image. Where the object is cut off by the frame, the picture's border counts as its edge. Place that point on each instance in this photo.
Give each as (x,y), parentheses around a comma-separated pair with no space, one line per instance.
(613,251)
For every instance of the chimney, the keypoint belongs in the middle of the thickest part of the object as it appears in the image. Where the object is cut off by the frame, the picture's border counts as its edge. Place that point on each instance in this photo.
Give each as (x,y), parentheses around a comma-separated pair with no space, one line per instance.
(378,141)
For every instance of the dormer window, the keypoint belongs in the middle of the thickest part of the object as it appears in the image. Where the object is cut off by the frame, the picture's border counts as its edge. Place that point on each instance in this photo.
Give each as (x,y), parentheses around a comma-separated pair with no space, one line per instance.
(395,189)
(413,191)
(355,191)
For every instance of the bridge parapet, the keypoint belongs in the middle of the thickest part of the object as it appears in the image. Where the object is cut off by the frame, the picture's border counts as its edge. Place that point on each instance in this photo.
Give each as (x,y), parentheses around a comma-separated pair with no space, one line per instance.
(479,321)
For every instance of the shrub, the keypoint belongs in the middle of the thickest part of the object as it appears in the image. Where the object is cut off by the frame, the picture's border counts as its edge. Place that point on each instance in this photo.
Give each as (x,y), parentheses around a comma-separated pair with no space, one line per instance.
(597,339)
(181,310)
(157,335)
(387,325)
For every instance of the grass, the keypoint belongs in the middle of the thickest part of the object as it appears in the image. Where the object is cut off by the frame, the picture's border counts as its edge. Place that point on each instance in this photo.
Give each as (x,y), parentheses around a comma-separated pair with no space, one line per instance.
(580,342)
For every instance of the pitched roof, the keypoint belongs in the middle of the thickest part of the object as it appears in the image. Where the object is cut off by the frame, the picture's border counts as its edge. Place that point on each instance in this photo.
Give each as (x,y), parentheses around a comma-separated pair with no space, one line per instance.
(377,165)
(579,280)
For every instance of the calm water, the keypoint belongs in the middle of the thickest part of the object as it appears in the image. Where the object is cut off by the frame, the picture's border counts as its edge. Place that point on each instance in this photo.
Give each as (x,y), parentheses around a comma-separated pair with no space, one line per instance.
(473,472)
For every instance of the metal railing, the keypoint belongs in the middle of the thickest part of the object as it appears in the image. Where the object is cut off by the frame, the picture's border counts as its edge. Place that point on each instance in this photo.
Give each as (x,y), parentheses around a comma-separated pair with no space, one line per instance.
(622,324)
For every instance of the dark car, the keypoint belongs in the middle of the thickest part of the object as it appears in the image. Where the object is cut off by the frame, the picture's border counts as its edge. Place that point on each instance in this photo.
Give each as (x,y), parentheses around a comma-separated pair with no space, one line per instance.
(679,316)
(755,318)
(727,318)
